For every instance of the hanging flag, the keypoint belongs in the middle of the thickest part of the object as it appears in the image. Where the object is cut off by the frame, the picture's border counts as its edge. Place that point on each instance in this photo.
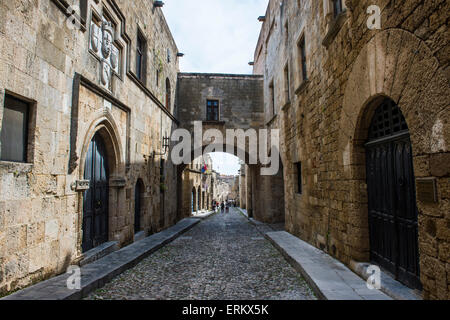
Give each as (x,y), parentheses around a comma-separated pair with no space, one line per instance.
(205,168)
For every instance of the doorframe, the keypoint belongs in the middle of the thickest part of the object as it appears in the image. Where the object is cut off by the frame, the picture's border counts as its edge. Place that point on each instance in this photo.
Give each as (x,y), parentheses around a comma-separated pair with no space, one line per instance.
(105,126)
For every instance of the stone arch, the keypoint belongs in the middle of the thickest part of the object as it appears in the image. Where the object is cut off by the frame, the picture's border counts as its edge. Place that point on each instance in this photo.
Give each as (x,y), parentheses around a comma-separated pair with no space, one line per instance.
(398,65)
(107,128)
(104,125)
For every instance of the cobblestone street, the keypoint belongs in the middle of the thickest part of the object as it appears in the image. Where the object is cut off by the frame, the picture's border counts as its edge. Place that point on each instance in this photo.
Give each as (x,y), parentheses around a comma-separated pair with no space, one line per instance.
(224,257)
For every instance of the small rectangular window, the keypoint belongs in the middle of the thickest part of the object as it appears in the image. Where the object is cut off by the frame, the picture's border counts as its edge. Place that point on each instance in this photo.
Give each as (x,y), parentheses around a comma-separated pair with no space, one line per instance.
(212,110)
(272,98)
(287,84)
(141,49)
(302,56)
(14,134)
(337,7)
(298,167)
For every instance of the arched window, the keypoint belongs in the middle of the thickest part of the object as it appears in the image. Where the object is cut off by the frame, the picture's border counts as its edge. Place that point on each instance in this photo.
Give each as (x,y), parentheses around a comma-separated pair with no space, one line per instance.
(168,93)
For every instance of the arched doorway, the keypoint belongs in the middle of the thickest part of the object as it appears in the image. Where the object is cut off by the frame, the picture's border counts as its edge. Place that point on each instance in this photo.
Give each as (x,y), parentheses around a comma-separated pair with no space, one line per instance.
(138,203)
(95,202)
(393,214)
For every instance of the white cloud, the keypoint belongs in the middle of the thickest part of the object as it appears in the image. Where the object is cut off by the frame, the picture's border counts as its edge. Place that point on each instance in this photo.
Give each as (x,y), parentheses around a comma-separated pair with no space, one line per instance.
(217,36)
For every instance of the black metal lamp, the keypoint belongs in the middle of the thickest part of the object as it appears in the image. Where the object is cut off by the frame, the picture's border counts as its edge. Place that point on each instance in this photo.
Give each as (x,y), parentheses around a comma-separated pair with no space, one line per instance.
(158,4)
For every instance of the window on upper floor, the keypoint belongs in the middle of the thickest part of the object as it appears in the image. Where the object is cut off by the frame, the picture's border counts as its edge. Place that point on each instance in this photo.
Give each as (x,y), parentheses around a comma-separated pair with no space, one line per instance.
(212,110)
(337,8)
(272,98)
(287,84)
(302,58)
(15,130)
(141,56)
(168,94)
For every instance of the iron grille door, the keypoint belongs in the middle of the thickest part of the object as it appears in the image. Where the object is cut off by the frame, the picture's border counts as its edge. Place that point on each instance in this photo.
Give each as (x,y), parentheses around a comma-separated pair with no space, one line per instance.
(391,195)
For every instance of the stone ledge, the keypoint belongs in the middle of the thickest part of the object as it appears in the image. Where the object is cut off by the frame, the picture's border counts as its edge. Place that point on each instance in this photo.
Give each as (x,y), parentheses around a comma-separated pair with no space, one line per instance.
(99,252)
(389,286)
(329,278)
(97,274)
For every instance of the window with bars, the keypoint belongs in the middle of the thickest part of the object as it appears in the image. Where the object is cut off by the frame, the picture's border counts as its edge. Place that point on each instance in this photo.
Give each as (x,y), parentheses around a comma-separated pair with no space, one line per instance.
(387,121)
(14,134)
(212,110)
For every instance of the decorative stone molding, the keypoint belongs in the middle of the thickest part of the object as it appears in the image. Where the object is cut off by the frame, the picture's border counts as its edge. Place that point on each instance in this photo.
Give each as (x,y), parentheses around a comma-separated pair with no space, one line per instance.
(117,182)
(80,185)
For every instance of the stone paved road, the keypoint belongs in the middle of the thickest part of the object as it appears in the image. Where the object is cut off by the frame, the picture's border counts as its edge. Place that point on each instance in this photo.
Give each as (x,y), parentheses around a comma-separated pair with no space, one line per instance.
(223,257)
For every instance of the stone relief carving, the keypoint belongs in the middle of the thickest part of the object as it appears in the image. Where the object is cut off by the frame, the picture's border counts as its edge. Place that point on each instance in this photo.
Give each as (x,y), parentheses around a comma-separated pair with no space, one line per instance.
(102,44)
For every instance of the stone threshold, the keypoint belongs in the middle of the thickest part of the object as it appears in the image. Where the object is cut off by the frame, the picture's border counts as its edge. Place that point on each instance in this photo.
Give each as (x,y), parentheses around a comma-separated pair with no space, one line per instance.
(389,285)
(99,252)
(102,271)
(329,278)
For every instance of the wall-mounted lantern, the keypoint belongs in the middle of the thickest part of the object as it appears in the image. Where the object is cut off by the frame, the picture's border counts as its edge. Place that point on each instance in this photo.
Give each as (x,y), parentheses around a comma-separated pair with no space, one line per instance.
(179,54)
(158,4)
(165,146)
(262,18)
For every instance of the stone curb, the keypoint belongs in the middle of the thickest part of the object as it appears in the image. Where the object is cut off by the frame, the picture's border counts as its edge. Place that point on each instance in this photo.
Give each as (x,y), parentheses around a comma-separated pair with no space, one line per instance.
(329,278)
(389,285)
(100,272)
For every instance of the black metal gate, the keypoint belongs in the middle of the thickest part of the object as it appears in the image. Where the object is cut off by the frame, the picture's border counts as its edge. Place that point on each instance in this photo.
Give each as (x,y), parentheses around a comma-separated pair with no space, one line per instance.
(95,203)
(392,196)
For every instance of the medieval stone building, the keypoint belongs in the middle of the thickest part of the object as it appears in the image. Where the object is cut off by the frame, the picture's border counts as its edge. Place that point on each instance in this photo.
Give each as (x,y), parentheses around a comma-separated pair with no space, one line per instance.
(364,119)
(199,185)
(87,92)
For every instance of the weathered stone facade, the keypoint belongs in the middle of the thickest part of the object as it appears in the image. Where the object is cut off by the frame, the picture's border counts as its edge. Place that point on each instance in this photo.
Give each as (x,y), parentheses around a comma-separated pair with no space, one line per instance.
(198,186)
(74,93)
(324,119)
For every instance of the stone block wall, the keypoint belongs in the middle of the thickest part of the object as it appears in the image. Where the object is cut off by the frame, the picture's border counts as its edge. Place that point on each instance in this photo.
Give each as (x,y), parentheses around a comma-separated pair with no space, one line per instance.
(324,120)
(46,62)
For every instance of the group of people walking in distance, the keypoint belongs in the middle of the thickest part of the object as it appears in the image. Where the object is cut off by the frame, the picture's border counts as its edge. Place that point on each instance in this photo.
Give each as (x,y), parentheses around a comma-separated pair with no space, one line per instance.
(224,206)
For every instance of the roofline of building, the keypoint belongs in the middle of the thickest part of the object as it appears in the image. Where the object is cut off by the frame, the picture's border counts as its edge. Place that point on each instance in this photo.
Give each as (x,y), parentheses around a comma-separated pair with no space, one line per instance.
(219,75)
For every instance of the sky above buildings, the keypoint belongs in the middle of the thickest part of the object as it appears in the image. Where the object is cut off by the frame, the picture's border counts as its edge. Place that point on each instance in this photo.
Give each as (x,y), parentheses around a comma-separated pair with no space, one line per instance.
(216,36)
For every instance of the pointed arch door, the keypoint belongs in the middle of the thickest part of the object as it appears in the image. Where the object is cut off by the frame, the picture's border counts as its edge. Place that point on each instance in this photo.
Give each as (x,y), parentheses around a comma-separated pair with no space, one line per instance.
(393,212)
(95,202)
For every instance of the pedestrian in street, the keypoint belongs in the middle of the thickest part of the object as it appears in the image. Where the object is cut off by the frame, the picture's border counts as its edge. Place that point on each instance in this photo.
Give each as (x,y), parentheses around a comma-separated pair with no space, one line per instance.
(222,206)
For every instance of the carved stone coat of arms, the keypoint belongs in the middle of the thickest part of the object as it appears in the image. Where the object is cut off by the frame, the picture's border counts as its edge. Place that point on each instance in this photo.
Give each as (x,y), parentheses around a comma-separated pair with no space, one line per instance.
(102,45)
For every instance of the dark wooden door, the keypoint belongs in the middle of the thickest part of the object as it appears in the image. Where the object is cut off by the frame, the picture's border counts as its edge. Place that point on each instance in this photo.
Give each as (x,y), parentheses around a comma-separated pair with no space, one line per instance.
(137,206)
(391,195)
(95,204)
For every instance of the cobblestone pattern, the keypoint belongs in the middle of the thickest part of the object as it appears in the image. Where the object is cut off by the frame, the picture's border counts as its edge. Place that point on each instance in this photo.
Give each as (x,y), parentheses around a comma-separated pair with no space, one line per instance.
(224,257)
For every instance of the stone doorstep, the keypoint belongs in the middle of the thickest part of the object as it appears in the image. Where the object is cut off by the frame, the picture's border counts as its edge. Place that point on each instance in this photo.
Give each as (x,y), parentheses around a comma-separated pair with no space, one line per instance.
(99,252)
(329,278)
(389,285)
(139,236)
(95,275)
